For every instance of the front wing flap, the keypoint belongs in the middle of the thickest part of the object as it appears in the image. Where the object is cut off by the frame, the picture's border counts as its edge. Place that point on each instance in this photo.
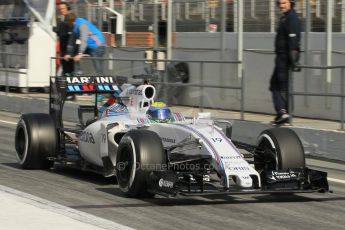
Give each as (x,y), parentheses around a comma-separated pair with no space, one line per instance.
(302,180)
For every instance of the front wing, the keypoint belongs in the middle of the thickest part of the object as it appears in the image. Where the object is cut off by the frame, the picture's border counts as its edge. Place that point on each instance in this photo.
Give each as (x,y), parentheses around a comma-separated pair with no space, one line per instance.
(302,180)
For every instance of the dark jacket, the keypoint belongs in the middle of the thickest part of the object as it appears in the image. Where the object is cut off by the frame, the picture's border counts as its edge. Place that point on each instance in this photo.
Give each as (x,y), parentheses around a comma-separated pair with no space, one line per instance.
(63,31)
(289,36)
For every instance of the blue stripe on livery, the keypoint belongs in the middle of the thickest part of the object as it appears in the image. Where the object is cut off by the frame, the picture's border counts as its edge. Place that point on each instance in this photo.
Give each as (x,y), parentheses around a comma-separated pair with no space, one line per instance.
(77,88)
(107,87)
(111,114)
(229,142)
(214,151)
(118,108)
(74,88)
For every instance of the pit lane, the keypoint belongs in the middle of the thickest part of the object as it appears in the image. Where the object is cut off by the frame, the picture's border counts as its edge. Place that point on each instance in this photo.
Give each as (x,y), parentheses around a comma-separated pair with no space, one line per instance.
(101,197)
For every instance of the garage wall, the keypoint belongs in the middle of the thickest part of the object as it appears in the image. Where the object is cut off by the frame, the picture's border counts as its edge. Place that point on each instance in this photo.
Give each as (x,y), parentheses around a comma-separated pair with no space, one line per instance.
(258,65)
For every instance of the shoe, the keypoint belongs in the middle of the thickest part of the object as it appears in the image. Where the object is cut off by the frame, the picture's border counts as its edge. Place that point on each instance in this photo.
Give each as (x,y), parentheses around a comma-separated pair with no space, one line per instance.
(282,119)
(275,119)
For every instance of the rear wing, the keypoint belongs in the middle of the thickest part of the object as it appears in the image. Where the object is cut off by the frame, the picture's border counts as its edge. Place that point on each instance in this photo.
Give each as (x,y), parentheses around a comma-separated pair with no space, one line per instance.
(87,84)
(91,84)
(61,86)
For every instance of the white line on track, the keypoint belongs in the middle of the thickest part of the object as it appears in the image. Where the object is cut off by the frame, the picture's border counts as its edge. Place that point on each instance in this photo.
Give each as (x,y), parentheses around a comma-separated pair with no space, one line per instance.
(8,122)
(336,180)
(52,207)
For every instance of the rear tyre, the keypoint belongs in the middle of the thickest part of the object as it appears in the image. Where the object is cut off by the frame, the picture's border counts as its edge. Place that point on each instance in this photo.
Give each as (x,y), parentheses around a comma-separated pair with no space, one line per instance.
(35,139)
(282,149)
(139,153)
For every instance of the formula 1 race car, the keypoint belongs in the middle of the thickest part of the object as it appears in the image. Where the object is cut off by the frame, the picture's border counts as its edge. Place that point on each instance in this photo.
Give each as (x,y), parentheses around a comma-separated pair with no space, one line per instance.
(151,150)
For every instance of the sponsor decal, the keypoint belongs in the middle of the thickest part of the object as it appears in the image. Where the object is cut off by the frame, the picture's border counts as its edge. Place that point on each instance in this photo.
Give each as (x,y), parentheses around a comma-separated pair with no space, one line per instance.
(165,183)
(239,168)
(167,139)
(87,137)
(135,92)
(282,175)
(87,80)
(206,178)
(217,140)
(231,157)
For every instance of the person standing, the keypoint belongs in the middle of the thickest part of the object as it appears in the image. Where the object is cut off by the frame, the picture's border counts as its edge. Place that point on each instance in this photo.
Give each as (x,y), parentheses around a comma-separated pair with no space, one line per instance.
(90,40)
(287,49)
(64,33)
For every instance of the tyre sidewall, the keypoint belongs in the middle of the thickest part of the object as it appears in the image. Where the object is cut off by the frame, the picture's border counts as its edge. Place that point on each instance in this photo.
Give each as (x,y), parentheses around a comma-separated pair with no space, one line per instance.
(40,140)
(127,143)
(147,152)
(287,145)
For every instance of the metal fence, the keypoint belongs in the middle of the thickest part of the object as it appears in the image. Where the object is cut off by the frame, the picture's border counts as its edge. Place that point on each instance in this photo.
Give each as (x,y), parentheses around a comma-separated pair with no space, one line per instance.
(133,69)
(196,15)
(233,16)
(340,95)
(221,16)
(158,72)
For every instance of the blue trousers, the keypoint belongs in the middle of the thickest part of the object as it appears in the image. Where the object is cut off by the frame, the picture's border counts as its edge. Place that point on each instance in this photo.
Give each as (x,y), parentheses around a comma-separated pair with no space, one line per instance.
(279,83)
(97,53)
(98,63)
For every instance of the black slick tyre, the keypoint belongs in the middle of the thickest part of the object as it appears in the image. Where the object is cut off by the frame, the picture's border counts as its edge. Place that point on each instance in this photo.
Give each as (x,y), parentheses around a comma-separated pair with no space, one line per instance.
(282,149)
(35,139)
(139,153)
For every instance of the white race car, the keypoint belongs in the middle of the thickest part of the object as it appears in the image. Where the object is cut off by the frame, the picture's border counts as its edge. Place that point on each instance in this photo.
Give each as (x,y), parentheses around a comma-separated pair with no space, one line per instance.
(154,151)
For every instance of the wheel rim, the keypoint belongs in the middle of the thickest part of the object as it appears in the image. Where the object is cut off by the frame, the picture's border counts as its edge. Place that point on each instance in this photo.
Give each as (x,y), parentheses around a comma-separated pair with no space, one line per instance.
(269,157)
(125,165)
(22,142)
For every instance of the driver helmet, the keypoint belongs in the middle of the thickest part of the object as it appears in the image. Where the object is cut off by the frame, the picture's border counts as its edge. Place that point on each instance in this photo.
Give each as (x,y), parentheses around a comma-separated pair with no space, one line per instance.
(159,112)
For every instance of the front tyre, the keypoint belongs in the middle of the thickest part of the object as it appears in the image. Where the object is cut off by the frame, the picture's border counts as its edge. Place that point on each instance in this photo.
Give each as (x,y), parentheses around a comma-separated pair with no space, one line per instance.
(139,153)
(35,139)
(280,149)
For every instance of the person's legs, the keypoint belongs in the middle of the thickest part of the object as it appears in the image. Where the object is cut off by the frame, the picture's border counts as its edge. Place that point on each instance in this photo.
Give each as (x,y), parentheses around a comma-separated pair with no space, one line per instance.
(279,100)
(98,53)
(279,89)
(77,68)
(274,88)
(67,67)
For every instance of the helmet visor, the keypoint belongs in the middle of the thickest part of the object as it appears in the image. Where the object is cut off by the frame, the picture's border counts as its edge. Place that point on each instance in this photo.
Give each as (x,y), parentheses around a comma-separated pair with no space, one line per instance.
(160,113)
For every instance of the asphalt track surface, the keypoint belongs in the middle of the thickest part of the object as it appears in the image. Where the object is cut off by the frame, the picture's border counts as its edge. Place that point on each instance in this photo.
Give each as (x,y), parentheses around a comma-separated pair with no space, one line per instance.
(99,196)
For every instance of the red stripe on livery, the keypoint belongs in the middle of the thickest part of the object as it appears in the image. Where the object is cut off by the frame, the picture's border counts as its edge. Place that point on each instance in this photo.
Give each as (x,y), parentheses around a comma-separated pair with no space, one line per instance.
(88,87)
